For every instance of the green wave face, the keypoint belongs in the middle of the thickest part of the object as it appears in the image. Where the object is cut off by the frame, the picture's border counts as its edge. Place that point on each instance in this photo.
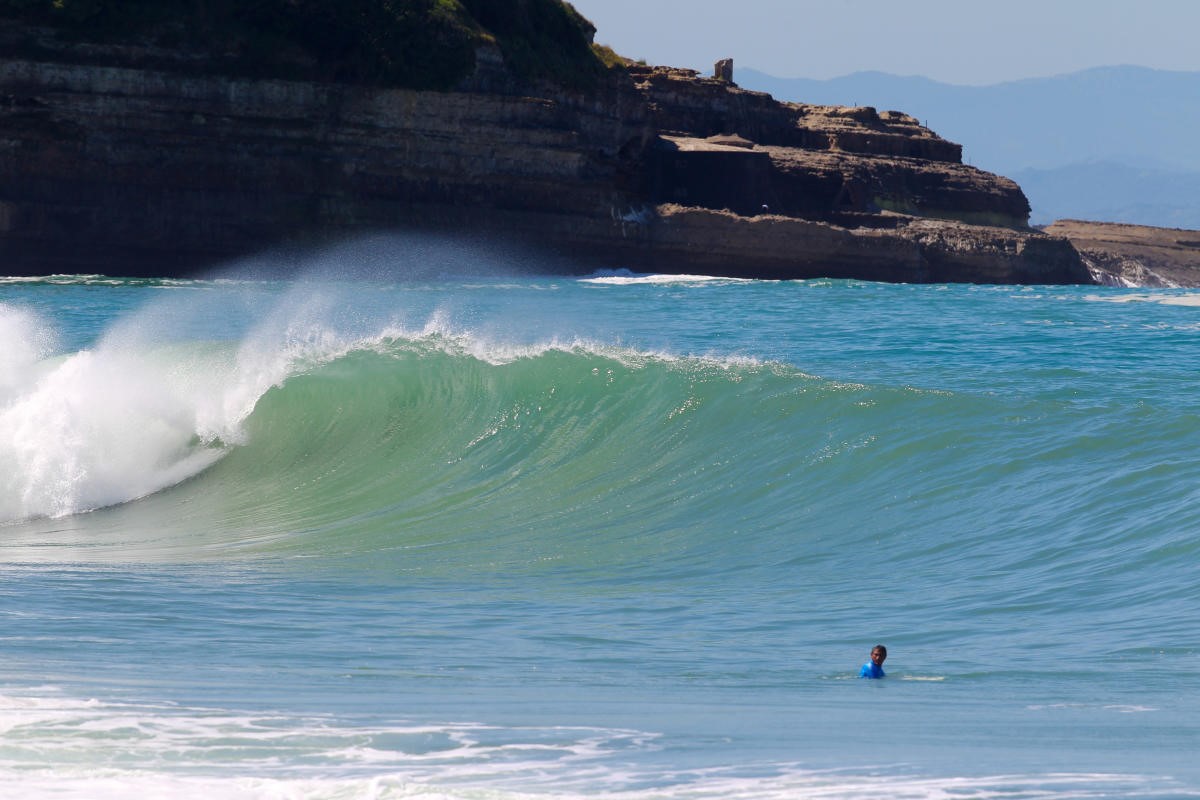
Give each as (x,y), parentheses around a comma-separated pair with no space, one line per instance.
(414,449)
(417,452)
(424,450)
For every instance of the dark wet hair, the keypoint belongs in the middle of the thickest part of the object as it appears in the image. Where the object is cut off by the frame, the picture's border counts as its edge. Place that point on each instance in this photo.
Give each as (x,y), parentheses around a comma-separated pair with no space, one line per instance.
(881,649)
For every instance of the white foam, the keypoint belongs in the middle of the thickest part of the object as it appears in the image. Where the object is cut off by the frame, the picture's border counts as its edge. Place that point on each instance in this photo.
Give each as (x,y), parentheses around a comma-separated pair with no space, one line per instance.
(1180,298)
(131,415)
(60,747)
(626,278)
(63,747)
(1118,708)
(136,413)
(97,428)
(438,333)
(98,783)
(1130,709)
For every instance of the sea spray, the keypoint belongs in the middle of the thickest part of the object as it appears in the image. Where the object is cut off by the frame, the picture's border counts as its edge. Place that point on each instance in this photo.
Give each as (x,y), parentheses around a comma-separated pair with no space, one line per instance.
(97,428)
(140,410)
(25,340)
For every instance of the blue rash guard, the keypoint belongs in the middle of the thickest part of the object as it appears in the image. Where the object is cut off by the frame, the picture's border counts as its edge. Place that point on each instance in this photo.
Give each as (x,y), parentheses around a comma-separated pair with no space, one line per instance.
(871,670)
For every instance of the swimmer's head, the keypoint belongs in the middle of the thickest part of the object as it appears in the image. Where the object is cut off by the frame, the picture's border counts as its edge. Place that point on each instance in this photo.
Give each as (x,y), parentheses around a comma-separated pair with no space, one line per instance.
(879,654)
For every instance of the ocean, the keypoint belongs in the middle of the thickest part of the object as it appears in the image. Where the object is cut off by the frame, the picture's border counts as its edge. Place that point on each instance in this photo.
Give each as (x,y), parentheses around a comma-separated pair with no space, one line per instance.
(496,534)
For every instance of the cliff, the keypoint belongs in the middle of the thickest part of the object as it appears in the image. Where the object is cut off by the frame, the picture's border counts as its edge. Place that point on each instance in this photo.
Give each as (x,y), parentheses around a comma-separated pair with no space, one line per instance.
(136,158)
(1135,255)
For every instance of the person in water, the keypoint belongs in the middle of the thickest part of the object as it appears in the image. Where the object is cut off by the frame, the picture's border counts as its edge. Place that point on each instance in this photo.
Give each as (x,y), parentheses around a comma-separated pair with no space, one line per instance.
(874,667)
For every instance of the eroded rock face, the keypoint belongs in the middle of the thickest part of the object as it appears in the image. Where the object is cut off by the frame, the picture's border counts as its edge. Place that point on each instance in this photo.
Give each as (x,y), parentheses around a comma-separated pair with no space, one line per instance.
(159,167)
(827,160)
(723,70)
(133,169)
(900,249)
(1135,255)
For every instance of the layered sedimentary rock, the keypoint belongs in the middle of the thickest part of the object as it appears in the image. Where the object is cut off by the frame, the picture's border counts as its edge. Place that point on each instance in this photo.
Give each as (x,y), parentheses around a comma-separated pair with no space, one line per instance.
(825,160)
(908,250)
(149,169)
(112,162)
(1135,255)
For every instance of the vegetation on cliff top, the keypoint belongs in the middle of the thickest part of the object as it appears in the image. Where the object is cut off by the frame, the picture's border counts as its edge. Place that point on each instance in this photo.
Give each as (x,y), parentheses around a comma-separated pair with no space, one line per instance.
(420,44)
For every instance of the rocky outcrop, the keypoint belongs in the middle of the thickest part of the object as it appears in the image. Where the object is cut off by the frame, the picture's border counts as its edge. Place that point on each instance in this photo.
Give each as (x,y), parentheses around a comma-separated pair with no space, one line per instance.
(109,164)
(1134,255)
(906,249)
(723,70)
(824,160)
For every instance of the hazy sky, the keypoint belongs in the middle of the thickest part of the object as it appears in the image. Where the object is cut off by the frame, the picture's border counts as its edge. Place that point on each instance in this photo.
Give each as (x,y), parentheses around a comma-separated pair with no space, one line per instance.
(955,41)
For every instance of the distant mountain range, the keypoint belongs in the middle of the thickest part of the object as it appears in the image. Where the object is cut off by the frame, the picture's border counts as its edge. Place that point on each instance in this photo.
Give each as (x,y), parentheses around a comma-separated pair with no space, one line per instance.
(1112,144)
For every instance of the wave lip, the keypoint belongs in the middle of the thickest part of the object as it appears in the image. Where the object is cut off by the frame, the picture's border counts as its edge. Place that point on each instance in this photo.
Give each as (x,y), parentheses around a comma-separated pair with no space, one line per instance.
(98,428)
(142,409)
(133,414)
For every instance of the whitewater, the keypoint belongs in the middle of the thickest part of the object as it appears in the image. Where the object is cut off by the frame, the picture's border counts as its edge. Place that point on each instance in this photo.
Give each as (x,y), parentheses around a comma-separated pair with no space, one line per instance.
(493,534)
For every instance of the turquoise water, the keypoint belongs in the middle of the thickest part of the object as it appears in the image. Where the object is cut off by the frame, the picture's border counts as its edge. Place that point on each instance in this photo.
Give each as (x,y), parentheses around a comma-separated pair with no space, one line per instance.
(620,536)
